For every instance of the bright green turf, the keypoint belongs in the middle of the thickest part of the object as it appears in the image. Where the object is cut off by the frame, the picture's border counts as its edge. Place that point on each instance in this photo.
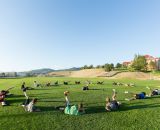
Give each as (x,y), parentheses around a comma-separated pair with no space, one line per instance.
(138,115)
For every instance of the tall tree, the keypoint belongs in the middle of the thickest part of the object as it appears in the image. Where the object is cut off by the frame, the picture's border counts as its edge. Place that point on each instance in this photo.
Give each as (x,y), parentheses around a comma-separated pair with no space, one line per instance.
(139,63)
(108,67)
(118,65)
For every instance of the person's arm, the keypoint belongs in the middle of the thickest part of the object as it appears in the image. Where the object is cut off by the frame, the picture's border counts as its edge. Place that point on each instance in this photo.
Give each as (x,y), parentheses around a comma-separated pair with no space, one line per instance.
(107,107)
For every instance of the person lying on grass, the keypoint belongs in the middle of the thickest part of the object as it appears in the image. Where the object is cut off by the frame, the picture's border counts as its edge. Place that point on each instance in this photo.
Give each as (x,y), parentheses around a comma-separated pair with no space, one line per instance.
(30,106)
(153,92)
(72,110)
(114,104)
(36,84)
(24,89)
(141,95)
(85,88)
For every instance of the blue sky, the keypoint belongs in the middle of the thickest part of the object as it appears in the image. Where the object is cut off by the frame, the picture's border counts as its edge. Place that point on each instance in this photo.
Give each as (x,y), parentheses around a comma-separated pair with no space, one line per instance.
(65,33)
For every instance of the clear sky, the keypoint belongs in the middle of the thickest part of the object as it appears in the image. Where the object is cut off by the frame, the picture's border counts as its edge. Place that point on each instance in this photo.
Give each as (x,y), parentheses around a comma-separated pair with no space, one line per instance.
(71,33)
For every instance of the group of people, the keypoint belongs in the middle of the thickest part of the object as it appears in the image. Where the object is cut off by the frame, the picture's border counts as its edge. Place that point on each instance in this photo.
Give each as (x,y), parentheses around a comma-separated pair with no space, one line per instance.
(111,103)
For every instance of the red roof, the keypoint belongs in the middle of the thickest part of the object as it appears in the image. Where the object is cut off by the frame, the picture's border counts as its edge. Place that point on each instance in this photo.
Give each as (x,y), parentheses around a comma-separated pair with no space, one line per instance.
(126,62)
(148,57)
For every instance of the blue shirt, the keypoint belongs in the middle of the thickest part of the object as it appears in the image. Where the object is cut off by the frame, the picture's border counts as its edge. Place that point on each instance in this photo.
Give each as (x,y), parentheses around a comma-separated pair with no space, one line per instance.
(141,96)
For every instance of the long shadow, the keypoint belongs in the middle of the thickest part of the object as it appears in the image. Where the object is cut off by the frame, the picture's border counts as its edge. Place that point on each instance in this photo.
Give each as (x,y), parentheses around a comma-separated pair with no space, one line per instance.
(41,100)
(95,109)
(14,96)
(42,89)
(41,93)
(153,97)
(144,106)
(124,107)
(15,101)
(93,89)
(28,114)
(48,108)
(49,101)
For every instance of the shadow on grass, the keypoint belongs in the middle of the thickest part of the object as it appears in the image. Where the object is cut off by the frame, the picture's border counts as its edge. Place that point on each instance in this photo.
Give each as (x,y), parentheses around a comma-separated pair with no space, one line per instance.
(41,94)
(93,89)
(124,107)
(42,100)
(47,108)
(15,101)
(153,97)
(95,109)
(96,89)
(43,88)
(14,96)
(50,101)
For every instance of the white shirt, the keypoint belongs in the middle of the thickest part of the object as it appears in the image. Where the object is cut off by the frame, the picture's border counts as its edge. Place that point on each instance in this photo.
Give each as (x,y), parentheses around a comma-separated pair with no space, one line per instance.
(30,107)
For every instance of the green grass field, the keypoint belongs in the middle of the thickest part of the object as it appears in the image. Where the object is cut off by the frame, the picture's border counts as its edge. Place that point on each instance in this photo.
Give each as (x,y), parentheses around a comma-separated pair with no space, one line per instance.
(133,115)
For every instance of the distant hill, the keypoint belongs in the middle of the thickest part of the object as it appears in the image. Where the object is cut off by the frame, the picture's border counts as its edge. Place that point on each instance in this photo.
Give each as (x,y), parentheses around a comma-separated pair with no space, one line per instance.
(44,71)
(41,71)
(70,69)
(35,72)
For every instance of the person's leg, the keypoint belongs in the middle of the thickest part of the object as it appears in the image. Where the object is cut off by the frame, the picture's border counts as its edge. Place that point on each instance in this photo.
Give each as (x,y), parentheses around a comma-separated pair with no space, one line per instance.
(114,95)
(135,96)
(151,91)
(25,94)
(4,103)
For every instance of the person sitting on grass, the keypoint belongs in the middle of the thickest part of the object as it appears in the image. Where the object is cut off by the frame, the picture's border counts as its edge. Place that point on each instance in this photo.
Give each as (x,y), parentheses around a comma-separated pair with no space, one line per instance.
(71,110)
(30,106)
(114,104)
(153,92)
(141,95)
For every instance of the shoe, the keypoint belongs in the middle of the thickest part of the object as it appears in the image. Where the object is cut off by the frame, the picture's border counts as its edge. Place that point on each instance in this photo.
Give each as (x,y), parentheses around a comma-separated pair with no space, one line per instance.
(148,87)
(127,99)
(126,92)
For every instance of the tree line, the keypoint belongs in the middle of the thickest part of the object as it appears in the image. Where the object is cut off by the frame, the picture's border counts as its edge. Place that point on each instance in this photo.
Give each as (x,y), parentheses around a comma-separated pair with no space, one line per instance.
(138,64)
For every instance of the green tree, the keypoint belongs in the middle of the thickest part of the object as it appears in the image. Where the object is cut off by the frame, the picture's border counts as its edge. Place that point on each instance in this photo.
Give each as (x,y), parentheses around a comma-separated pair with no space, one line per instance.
(139,63)
(90,67)
(108,67)
(85,67)
(118,65)
(112,66)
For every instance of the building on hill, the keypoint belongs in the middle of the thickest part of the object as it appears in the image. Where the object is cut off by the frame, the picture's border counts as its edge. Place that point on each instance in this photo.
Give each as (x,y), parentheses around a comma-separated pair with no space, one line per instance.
(150,62)
(126,63)
(152,59)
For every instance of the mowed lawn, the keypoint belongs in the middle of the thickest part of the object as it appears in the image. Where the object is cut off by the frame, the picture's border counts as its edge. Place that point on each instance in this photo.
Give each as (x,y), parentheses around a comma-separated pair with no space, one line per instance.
(133,115)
